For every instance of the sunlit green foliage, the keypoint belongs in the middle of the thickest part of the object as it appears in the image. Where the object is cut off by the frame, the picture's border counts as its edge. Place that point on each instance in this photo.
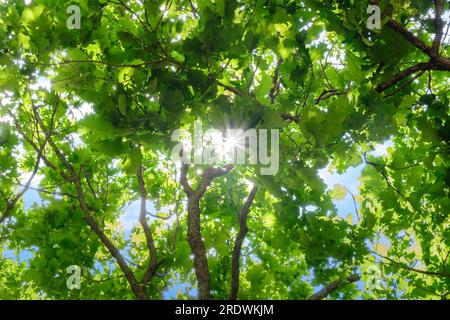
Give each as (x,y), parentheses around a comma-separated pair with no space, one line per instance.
(311,69)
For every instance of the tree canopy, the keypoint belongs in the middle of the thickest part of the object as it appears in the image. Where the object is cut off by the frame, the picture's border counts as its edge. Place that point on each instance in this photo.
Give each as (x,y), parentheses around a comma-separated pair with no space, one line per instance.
(86,121)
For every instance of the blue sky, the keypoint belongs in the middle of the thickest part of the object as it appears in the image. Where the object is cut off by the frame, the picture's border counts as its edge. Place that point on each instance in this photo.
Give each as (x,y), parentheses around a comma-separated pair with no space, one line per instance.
(349,179)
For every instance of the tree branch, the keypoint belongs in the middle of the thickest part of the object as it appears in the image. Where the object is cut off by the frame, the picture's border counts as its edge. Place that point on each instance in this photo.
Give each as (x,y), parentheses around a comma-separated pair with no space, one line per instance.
(402,75)
(333,286)
(243,230)
(150,272)
(194,224)
(117,65)
(208,175)
(403,266)
(436,61)
(275,81)
(10,204)
(183,176)
(75,179)
(439,27)
(326,94)
(409,36)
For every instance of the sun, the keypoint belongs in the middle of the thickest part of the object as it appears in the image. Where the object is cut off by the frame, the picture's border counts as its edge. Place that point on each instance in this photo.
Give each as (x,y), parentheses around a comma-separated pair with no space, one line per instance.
(231,143)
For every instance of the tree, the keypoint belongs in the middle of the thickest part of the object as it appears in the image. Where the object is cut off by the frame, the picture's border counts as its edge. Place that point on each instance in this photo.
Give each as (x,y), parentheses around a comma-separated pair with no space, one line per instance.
(96,142)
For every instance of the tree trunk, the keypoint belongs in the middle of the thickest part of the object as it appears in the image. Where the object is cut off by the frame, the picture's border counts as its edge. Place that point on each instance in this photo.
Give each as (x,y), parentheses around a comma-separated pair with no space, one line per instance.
(198,249)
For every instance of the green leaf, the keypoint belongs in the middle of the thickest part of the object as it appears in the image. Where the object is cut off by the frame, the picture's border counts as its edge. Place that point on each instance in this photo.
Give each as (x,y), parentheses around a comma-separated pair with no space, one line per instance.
(339,192)
(123,101)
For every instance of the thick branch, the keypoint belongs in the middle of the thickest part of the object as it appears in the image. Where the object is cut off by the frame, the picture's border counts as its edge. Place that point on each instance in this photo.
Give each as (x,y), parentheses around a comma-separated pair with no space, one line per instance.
(333,286)
(194,225)
(198,249)
(402,75)
(135,287)
(436,62)
(75,179)
(207,177)
(439,27)
(408,35)
(150,272)
(183,176)
(243,230)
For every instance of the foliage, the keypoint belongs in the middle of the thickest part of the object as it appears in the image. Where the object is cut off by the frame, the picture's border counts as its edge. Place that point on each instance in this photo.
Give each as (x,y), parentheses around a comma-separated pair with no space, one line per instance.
(312,69)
